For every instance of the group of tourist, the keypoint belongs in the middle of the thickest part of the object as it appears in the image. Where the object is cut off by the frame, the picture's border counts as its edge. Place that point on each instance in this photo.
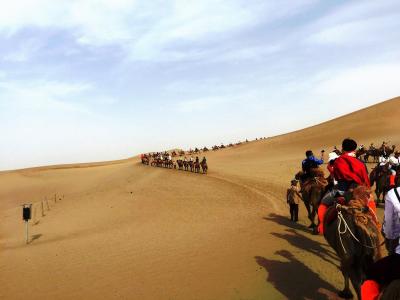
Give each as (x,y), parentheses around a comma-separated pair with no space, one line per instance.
(347,176)
(165,159)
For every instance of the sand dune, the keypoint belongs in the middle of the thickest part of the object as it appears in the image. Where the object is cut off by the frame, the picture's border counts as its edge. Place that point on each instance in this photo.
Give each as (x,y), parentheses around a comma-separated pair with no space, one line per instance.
(128,231)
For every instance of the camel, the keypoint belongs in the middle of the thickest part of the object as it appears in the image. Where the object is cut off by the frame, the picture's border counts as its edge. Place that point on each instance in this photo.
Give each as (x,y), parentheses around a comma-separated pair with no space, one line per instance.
(312,191)
(205,149)
(204,166)
(169,164)
(387,150)
(360,154)
(145,160)
(180,164)
(353,231)
(391,291)
(196,167)
(374,153)
(191,165)
(380,177)
(186,165)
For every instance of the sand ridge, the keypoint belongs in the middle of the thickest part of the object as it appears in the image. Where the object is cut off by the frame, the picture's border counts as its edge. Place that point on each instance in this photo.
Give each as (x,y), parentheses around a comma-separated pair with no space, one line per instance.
(129,231)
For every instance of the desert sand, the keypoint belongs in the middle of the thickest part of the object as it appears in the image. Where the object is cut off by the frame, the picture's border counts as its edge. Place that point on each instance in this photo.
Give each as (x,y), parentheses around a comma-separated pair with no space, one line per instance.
(123,230)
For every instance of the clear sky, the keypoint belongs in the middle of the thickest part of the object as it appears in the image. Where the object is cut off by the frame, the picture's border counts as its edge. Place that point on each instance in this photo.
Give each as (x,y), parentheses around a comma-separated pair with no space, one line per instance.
(99,80)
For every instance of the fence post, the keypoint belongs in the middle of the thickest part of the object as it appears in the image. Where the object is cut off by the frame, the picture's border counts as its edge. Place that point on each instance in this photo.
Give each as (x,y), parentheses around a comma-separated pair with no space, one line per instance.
(27,232)
(47,203)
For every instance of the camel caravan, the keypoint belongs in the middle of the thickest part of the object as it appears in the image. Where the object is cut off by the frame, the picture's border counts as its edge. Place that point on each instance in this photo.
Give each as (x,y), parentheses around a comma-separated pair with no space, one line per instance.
(346,211)
(166,160)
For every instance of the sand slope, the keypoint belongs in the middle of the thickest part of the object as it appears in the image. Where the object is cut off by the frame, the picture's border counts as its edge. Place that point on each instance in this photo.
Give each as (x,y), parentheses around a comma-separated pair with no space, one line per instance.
(128,231)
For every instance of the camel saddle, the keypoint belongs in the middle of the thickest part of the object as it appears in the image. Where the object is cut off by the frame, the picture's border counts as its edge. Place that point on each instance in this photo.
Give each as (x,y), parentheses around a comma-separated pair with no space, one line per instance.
(316,177)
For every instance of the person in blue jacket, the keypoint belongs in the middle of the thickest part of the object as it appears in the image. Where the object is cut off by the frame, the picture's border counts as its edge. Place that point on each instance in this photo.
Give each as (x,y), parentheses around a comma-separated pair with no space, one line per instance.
(311,162)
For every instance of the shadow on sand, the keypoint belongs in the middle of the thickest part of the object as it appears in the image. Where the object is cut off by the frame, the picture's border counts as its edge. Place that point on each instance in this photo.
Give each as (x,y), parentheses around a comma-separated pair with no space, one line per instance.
(35,237)
(284,221)
(303,242)
(294,279)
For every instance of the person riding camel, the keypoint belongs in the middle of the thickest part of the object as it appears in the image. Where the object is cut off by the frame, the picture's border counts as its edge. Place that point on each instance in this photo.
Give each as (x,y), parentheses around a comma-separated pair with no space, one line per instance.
(197,159)
(383,160)
(204,160)
(311,162)
(331,160)
(185,159)
(349,172)
(394,162)
(384,149)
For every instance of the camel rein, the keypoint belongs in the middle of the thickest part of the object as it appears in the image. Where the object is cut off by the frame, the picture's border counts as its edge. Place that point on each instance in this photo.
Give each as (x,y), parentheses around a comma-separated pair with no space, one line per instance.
(347,228)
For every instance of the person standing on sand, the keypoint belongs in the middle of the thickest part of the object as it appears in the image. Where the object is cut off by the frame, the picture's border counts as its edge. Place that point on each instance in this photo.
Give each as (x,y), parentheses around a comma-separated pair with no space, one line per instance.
(293,198)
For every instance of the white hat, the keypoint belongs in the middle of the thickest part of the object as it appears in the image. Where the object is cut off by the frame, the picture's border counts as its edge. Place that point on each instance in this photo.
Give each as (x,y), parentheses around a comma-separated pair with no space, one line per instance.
(332,156)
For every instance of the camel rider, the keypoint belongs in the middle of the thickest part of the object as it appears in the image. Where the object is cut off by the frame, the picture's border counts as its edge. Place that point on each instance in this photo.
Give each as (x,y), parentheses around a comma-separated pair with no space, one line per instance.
(383,160)
(349,172)
(381,273)
(204,160)
(191,158)
(372,147)
(394,163)
(169,157)
(311,162)
(394,160)
(332,157)
(185,159)
(197,159)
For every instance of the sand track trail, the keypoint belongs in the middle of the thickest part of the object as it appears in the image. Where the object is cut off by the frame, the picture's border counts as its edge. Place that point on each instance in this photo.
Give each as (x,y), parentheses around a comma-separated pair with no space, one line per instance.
(129,231)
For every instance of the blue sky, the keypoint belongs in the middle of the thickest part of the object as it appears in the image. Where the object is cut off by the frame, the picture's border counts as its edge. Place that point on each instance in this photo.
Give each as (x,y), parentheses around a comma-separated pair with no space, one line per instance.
(99,80)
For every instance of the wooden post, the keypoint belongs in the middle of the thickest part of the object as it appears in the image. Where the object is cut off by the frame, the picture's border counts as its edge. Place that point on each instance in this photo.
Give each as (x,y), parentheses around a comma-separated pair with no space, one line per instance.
(55,198)
(47,203)
(27,232)
(34,213)
(41,202)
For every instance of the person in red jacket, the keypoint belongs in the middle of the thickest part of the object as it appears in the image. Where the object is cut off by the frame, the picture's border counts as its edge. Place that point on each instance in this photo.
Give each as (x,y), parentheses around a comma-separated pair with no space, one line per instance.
(349,172)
